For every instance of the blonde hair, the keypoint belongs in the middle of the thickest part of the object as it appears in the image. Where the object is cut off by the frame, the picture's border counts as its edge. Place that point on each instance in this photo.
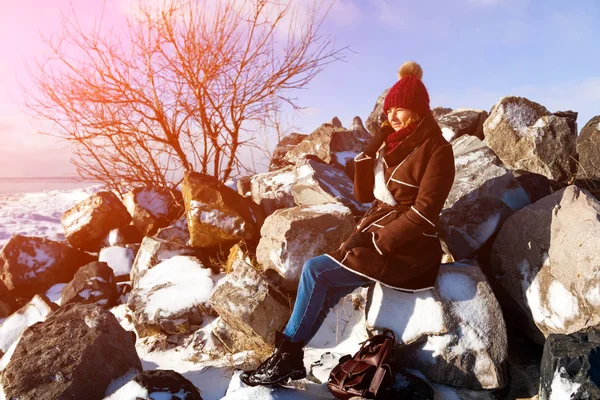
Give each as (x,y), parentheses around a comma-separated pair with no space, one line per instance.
(412,119)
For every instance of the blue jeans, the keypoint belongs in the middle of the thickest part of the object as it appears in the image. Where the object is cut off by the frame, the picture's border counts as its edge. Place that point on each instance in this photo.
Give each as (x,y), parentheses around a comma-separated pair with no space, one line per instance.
(322,284)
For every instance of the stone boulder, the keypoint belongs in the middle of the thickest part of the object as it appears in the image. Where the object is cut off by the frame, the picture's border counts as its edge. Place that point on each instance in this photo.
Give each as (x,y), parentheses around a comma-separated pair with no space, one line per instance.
(153,207)
(373,123)
(545,264)
(157,384)
(38,308)
(292,236)
(570,366)
(88,222)
(359,129)
(8,305)
(332,145)
(483,196)
(273,190)
(437,112)
(119,259)
(283,147)
(31,265)
(588,148)
(571,117)
(152,252)
(216,213)
(177,233)
(319,183)
(462,122)
(242,186)
(250,307)
(526,136)
(456,328)
(75,354)
(93,283)
(170,298)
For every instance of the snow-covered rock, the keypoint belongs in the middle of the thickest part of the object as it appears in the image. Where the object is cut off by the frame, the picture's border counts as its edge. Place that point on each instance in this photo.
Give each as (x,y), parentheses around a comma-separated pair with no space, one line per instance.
(154,251)
(119,259)
(526,136)
(76,353)
(462,121)
(216,214)
(157,384)
(319,183)
(93,283)
(282,148)
(177,233)
(273,190)
(152,207)
(31,265)
(13,327)
(7,302)
(88,222)
(249,304)
(545,260)
(293,235)
(569,367)
(483,196)
(325,143)
(171,296)
(458,328)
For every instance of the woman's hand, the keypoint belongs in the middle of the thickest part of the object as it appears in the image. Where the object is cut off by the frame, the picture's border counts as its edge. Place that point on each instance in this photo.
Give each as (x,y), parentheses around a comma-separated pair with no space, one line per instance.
(377,140)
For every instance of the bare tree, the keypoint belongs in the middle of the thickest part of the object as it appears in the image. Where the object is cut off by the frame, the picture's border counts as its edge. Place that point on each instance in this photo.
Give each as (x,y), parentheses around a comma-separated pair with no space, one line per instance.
(184,89)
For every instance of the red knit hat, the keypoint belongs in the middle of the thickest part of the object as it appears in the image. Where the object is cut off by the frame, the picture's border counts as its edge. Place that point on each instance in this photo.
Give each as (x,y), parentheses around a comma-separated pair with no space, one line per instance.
(409,92)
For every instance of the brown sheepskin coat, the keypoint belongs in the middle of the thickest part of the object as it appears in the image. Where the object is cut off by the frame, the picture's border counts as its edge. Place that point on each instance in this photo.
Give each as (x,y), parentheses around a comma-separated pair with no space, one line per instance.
(417,176)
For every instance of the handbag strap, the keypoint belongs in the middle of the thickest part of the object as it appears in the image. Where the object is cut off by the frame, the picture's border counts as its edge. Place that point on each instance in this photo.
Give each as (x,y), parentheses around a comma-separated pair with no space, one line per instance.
(378,380)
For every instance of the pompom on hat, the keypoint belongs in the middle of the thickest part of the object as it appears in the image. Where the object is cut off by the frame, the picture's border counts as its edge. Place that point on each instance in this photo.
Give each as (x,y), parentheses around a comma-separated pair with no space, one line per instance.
(409,92)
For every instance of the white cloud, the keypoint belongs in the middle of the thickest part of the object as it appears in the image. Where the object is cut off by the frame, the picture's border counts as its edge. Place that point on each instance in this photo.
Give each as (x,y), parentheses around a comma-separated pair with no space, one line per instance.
(345,13)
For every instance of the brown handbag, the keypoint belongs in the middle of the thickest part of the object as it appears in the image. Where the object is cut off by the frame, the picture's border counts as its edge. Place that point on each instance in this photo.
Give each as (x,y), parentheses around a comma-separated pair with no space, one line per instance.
(367,373)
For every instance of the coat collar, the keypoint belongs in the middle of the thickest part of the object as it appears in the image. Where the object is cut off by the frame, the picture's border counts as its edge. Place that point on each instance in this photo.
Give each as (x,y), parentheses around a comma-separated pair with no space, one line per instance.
(425,129)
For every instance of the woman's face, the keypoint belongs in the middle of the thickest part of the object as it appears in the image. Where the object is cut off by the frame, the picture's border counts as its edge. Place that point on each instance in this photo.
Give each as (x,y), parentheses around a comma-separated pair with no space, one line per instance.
(398,117)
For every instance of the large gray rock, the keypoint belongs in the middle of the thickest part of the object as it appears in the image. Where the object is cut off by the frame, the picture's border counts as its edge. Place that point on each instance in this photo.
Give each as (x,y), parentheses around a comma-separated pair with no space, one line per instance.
(457,327)
(483,196)
(171,297)
(7,302)
(462,121)
(89,222)
(248,304)
(283,147)
(319,183)
(440,111)
(93,283)
(75,354)
(333,145)
(216,214)
(292,236)
(31,265)
(177,233)
(153,251)
(526,136)
(152,208)
(273,190)
(545,264)
(588,148)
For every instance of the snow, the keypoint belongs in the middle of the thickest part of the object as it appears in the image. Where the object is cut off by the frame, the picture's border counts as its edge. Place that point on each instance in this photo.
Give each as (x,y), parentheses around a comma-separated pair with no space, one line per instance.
(155,203)
(127,390)
(119,259)
(342,157)
(186,284)
(54,294)
(410,315)
(562,388)
(41,260)
(225,221)
(562,302)
(448,133)
(284,179)
(38,214)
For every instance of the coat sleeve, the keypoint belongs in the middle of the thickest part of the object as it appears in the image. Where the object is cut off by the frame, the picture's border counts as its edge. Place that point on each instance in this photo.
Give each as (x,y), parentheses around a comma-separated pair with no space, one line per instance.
(364,178)
(424,214)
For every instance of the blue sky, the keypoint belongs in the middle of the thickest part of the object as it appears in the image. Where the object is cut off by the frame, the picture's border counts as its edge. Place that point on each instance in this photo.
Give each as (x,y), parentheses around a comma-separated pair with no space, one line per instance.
(472,52)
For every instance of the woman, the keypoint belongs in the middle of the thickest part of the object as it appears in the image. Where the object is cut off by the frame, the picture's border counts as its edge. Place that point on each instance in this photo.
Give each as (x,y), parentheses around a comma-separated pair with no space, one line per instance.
(408,180)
